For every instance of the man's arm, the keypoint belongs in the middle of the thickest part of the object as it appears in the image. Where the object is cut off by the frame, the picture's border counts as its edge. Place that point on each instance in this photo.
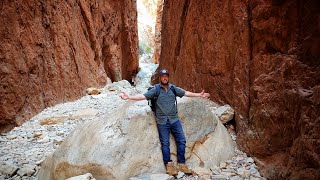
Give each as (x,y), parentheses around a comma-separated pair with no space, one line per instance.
(138,97)
(202,94)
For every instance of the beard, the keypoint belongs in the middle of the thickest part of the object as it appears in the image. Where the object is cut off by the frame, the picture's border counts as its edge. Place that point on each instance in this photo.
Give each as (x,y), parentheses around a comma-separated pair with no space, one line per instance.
(165,83)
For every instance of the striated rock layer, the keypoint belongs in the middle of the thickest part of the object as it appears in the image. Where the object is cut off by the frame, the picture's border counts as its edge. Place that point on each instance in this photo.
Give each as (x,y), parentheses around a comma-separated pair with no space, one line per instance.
(263,58)
(51,51)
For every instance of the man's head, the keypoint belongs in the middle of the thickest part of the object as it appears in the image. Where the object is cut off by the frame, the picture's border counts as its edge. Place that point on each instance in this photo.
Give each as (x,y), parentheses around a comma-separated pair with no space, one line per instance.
(164,76)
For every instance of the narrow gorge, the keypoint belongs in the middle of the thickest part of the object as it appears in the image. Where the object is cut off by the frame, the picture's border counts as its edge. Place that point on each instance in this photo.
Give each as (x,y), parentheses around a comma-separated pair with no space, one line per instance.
(260,57)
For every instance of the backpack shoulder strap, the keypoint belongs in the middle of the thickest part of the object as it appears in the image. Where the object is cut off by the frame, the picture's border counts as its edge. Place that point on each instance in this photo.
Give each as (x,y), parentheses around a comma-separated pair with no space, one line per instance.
(173,89)
(157,90)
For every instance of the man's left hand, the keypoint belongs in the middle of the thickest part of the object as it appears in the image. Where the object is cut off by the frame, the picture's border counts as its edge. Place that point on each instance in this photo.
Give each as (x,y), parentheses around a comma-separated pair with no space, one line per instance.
(204,95)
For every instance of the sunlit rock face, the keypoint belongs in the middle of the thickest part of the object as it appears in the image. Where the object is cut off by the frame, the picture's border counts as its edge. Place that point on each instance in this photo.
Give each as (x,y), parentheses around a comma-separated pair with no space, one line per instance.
(51,51)
(262,58)
(146,25)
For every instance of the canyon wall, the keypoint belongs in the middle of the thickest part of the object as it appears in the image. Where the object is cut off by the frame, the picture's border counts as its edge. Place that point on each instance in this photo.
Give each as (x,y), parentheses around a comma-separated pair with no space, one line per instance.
(51,51)
(262,58)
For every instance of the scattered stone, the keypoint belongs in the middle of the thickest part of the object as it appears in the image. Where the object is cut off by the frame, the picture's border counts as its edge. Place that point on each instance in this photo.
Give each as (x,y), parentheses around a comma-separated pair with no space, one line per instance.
(223,165)
(180,174)
(37,134)
(39,162)
(16,177)
(89,112)
(236,178)
(93,91)
(52,120)
(160,176)
(250,160)
(8,169)
(60,133)
(26,170)
(87,176)
(13,136)
(218,177)
(224,113)
(202,171)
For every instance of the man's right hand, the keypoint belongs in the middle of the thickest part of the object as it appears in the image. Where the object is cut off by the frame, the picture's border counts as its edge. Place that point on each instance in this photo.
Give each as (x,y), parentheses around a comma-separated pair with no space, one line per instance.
(124,96)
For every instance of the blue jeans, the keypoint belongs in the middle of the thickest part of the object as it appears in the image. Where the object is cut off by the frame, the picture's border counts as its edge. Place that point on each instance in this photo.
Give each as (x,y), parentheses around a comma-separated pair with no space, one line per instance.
(164,135)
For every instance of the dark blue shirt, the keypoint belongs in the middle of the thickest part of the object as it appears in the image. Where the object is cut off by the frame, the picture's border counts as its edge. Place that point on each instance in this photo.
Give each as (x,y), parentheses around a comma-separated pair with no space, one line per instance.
(166,104)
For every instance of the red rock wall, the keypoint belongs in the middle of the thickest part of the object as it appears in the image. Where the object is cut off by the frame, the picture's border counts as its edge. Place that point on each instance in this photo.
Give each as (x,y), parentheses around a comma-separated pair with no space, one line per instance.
(157,34)
(263,58)
(51,51)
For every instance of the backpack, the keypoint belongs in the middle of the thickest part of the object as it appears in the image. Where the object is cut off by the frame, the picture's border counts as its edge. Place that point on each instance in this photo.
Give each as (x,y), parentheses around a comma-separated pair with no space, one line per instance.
(152,102)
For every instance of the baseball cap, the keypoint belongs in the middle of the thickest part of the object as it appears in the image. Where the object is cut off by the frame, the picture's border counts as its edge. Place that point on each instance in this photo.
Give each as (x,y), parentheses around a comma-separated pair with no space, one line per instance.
(164,71)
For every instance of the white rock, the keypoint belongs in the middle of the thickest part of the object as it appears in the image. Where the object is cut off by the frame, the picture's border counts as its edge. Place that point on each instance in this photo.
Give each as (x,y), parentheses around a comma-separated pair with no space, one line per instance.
(223,165)
(218,177)
(89,112)
(26,170)
(37,134)
(202,171)
(87,176)
(60,133)
(224,113)
(8,169)
(159,176)
(235,178)
(250,160)
(180,174)
(12,136)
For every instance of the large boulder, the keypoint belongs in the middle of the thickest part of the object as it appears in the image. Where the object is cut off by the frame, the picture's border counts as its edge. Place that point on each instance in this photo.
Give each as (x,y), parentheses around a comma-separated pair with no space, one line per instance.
(126,143)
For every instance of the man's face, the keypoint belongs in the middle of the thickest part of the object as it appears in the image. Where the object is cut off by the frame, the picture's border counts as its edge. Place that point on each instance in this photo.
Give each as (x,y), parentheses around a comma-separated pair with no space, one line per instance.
(164,79)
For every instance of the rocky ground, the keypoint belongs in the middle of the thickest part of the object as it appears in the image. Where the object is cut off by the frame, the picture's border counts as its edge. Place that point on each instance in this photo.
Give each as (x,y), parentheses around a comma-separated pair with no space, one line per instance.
(24,148)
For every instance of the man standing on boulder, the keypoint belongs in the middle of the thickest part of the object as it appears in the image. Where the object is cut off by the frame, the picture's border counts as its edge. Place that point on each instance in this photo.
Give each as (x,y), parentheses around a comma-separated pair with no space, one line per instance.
(168,121)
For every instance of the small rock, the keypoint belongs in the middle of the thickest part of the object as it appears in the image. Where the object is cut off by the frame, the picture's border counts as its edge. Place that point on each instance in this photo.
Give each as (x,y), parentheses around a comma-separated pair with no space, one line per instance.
(253,170)
(180,174)
(52,120)
(218,177)
(37,134)
(240,171)
(93,91)
(224,113)
(223,165)
(250,160)
(235,178)
(257,174)
(16,177)
(26,170)
(89,112)
(58,140)
(13,136)
(255,178)
(87,176)
(159,176)
(60,133)
(239,158)
(202,171)
(39,162)
(8,169)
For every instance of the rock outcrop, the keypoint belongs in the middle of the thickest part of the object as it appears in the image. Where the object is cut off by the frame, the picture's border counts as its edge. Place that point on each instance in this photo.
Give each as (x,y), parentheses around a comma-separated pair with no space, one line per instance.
(126,143)
(51,51)
(262,58)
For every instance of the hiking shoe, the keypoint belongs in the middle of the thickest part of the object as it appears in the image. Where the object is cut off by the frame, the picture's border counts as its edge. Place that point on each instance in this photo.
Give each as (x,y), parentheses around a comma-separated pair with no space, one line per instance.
(184,168)
(171,169)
